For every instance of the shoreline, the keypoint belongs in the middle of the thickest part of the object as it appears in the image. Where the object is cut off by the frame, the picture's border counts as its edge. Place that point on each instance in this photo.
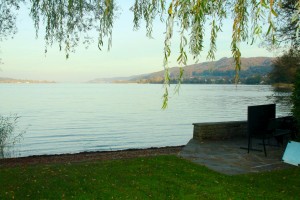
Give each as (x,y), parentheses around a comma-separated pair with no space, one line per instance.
(89,156)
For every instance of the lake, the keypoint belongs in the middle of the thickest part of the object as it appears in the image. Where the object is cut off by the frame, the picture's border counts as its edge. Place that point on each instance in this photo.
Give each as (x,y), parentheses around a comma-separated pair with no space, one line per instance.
(69,118)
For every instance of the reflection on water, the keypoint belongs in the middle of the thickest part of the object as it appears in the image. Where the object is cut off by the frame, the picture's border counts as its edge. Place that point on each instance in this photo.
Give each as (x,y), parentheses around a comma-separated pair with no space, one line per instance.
(68,118)
(282,98)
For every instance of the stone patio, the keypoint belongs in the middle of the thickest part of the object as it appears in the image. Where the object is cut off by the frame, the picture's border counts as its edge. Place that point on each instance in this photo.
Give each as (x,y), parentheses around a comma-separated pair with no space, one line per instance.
(227,157)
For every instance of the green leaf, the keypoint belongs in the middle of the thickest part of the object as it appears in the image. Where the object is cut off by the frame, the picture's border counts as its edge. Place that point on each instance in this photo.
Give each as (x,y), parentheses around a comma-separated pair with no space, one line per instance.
(269,29)
(274,13)
(170,10)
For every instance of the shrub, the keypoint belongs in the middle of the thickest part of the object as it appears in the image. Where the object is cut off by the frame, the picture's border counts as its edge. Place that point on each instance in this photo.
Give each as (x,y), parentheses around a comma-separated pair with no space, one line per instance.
(8,136)
(296,99)
(285,67)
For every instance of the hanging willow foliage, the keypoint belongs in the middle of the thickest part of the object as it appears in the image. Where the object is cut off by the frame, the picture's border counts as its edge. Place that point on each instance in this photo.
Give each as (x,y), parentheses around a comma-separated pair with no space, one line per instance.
(8,10)
(68,21)
(193,16)
(296,18)
(8,27)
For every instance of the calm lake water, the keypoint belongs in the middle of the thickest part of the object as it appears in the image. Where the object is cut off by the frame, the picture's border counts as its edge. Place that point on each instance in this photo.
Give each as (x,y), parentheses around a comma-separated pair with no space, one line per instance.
(69,118)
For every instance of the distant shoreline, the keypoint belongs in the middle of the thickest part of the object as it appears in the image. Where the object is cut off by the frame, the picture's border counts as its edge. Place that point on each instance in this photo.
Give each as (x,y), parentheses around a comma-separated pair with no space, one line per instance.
(19,81)
(119,83)
(176,83)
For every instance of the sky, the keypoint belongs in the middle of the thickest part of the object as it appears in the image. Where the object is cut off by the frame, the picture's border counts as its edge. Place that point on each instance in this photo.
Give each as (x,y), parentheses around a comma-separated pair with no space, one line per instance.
(132,53)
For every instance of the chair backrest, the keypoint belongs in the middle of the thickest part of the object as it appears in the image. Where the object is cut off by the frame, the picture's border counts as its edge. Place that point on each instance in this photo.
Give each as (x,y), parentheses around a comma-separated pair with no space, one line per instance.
(272,125)
(259,117)
(287,122)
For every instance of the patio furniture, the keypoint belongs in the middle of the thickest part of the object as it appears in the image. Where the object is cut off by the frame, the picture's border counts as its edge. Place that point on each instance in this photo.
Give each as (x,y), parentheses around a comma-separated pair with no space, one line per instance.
(280,130)
(258,124)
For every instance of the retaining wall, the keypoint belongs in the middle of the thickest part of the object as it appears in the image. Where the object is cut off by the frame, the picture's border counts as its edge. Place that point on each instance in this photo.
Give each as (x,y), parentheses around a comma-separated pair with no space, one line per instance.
(219,130)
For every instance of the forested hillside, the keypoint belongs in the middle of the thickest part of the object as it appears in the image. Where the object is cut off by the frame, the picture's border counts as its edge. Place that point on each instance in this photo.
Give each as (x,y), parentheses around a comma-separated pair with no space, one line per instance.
(254,71)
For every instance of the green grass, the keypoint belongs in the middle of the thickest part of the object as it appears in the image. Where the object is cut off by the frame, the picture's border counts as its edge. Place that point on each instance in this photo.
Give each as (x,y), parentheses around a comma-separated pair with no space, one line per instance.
(161,177)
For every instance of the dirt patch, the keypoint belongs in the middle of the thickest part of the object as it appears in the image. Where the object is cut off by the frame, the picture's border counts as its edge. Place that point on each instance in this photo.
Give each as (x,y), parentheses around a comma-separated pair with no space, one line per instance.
(89,156)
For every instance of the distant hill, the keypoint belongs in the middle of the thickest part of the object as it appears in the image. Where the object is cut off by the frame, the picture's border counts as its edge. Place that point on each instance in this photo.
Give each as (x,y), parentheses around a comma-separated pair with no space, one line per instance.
(11,80)
(254,70)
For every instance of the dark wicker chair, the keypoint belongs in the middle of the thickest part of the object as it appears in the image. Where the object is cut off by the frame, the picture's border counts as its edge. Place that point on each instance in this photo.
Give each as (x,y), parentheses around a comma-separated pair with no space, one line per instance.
(258,124)
(281,129)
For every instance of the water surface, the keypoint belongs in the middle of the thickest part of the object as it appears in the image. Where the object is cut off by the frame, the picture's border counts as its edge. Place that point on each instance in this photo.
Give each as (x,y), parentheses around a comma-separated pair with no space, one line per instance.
(69,118)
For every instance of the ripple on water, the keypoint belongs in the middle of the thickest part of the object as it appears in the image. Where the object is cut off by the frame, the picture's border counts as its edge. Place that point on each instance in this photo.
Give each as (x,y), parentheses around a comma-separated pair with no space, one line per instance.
(69,118)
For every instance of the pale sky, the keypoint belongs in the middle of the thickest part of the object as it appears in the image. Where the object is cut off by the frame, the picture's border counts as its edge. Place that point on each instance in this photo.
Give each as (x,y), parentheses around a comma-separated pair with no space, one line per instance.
(132,52)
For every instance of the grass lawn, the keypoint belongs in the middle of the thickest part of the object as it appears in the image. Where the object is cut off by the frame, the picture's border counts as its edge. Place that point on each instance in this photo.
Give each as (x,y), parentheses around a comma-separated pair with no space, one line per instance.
(160,177)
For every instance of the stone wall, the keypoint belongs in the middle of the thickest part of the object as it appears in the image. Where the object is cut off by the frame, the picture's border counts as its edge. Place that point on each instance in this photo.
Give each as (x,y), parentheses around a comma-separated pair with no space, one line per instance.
(219,130)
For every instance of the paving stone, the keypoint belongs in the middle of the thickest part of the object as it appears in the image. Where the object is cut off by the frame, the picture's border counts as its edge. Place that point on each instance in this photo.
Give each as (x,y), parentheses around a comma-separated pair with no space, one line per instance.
(226,156)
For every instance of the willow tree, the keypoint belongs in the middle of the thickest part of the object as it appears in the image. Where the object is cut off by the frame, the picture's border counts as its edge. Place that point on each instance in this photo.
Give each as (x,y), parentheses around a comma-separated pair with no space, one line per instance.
(287,23)
(8,27)
(68,21)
